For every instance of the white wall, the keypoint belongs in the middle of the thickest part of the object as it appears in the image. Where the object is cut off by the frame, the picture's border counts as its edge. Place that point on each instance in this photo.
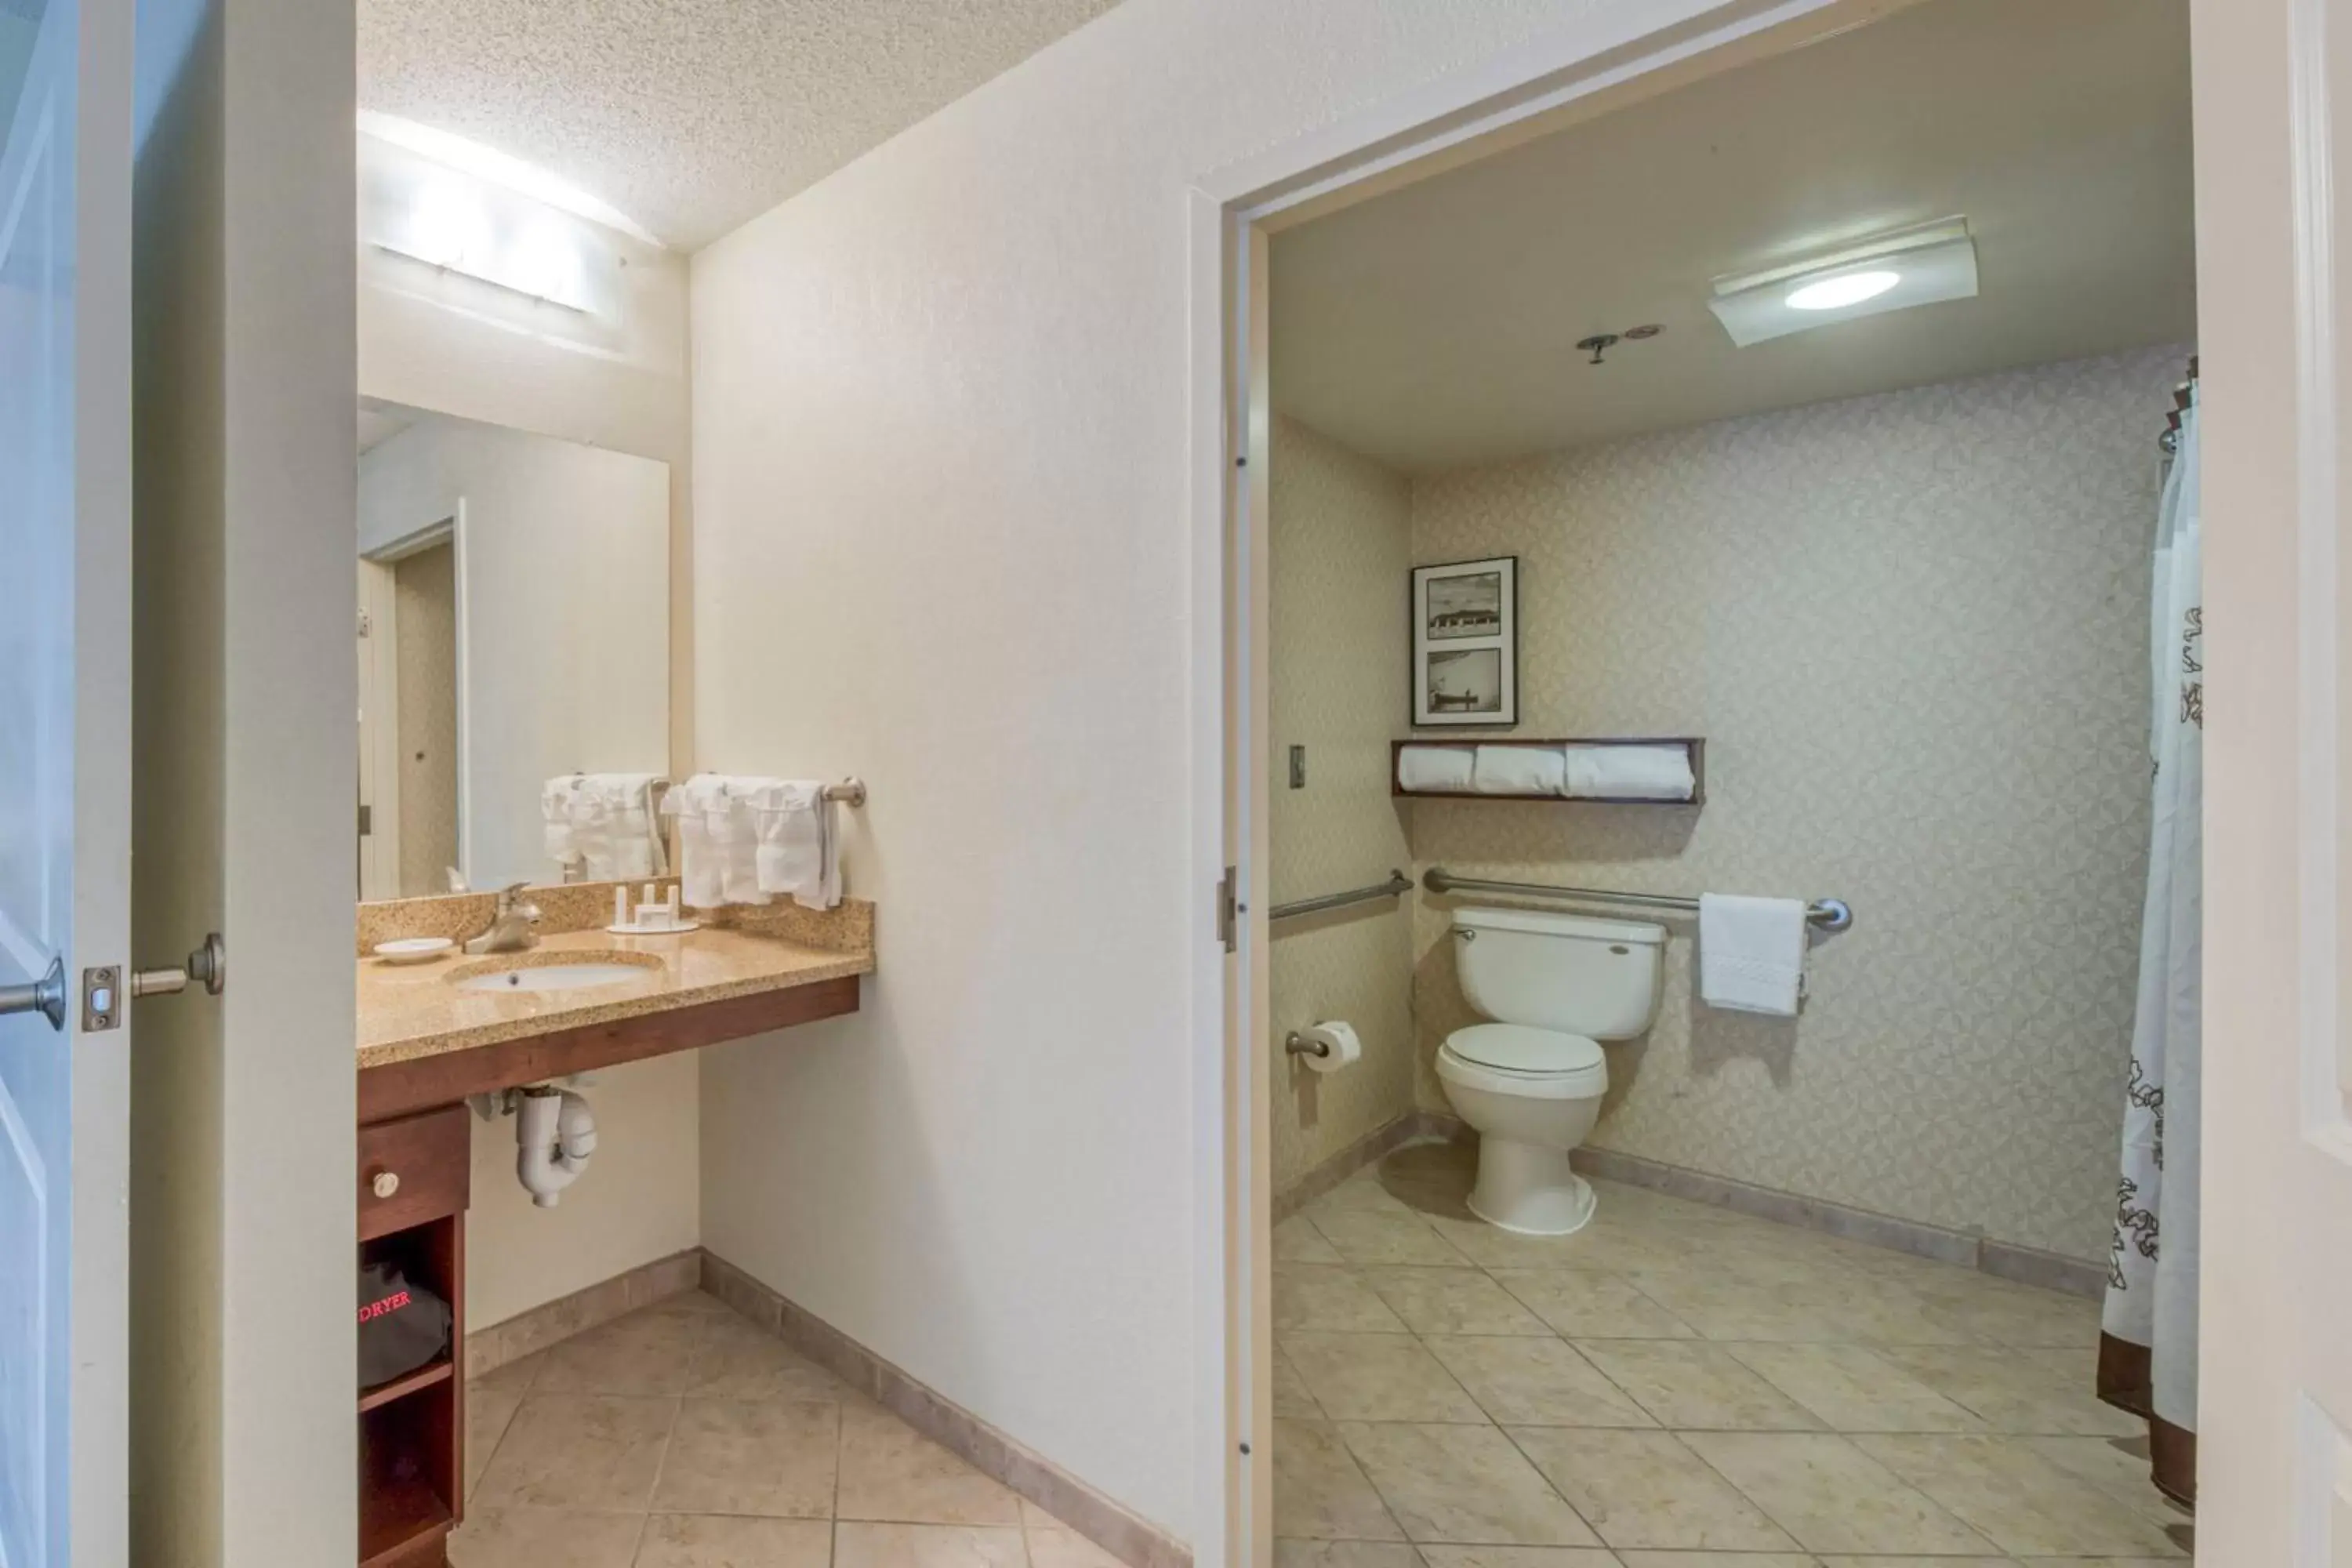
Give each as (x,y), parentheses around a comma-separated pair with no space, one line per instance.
(619,383)
(1339,544)
(563,615)
(940,445)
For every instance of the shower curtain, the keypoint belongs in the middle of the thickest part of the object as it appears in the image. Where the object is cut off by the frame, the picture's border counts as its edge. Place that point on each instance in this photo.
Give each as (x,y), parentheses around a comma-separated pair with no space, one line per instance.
(2148,1350)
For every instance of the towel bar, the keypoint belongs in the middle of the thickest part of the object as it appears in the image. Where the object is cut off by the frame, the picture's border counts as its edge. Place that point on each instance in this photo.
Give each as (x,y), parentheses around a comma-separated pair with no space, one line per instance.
(1829,914)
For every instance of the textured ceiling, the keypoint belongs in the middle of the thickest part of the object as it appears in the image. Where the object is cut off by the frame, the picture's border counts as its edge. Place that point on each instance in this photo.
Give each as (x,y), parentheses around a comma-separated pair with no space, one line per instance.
(691,116)
(1435,326)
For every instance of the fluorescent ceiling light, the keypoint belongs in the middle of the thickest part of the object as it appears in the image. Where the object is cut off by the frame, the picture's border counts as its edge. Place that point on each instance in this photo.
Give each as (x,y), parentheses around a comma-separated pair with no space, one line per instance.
(489,165)
(1894,272)
(1837,293)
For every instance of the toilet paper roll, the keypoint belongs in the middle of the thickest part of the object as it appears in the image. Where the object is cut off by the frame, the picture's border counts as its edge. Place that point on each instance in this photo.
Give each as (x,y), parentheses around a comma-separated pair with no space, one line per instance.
(1341,1046)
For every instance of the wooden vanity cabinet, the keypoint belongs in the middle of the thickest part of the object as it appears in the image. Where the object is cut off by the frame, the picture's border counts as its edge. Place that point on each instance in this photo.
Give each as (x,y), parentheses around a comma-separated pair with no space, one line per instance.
(413,1173)
(416,1157)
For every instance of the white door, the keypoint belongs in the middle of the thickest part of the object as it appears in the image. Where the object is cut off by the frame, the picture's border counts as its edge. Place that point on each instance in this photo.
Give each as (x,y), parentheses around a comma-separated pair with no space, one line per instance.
(2274,282)
(65,766)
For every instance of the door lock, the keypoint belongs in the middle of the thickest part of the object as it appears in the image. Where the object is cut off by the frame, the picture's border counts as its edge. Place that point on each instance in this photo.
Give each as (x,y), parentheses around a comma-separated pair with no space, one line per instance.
(206,966)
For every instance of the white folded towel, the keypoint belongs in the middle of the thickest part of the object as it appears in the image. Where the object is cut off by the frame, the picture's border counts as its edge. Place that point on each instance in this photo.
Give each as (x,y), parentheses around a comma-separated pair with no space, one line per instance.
(743,838)
(707,834)
(614,833)
(799,843)
(1520,769)
(1441,769)
(1751,953)
(1630,773)
(556,797)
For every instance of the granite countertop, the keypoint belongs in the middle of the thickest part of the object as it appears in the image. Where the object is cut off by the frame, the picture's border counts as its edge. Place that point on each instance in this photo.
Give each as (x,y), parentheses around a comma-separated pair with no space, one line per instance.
(411,1011)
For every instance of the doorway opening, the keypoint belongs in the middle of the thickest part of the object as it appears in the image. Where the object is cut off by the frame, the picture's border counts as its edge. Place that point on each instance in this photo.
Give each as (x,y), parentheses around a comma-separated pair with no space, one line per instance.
(1778,472)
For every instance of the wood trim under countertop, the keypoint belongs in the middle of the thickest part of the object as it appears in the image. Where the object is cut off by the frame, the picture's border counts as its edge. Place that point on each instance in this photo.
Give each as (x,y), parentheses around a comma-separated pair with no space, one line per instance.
(395,1088)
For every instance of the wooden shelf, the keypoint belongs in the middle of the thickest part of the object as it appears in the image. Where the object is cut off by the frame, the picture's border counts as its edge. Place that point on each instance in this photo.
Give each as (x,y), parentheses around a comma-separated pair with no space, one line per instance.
(397,1518)
(425,1377)
(1692,744)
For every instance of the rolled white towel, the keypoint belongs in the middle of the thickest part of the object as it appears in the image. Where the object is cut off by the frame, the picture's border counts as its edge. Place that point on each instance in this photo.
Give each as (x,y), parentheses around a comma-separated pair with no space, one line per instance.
(1438,769)
(1630,773)
(1520,770)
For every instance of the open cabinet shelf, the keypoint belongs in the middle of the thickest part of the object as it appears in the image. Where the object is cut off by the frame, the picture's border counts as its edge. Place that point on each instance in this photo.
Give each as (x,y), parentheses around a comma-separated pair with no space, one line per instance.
(424,1377)
(1693,746)
(412,1467)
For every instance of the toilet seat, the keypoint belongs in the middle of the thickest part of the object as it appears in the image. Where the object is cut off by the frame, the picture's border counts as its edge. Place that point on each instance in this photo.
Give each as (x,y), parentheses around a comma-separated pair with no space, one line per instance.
(1513,1059)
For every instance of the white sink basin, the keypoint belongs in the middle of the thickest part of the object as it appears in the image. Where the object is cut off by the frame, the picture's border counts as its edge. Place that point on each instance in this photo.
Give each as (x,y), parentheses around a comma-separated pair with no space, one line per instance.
(552,977)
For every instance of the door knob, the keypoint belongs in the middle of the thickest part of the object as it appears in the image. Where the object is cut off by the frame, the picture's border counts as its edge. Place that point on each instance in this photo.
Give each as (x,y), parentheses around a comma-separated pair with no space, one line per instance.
(384,1183)
(207,966)
(45,996)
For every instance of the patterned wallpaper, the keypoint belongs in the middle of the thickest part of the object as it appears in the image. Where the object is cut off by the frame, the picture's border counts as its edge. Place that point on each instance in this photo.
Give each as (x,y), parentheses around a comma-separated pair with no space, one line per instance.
(1340,537)
(1913,629)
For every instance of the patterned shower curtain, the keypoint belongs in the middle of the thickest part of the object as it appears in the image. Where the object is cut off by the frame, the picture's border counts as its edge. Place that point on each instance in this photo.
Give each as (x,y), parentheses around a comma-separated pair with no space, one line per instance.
(2148,1350)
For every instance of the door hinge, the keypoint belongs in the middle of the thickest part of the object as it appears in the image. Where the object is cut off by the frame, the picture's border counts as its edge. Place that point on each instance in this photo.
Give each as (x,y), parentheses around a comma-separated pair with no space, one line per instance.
(1229,909)
(367,820)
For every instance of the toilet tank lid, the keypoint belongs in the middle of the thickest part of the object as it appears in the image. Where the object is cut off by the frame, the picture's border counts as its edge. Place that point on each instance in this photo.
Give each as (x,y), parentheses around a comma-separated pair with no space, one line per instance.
(1544,922)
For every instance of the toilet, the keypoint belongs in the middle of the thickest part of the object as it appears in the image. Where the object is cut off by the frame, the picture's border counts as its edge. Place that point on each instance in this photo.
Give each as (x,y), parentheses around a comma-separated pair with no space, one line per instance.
(1530,1082)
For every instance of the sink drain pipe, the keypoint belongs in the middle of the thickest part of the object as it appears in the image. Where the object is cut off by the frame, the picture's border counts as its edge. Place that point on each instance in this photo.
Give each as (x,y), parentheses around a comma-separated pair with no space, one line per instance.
(555,1132)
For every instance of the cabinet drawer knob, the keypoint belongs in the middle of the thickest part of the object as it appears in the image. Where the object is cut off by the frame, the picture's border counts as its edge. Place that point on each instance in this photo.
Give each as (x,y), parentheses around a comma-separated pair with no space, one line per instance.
(384,1183)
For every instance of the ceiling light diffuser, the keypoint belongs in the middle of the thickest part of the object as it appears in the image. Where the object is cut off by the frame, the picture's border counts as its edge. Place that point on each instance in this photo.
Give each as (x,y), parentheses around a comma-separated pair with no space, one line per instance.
(1837,293)
(1893,271)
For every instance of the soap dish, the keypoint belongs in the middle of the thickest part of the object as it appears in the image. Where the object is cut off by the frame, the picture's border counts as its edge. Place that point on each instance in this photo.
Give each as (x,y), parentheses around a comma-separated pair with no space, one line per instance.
(680,929)
(413,949)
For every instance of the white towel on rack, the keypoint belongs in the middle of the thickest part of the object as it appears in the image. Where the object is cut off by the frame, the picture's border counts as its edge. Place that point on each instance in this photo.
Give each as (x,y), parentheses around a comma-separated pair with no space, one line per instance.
(716,843)
(1520,769)
(743,838)
(1630,773)
(1439,769)
(1751,953)
(556,799)
(615,832)
(799,842)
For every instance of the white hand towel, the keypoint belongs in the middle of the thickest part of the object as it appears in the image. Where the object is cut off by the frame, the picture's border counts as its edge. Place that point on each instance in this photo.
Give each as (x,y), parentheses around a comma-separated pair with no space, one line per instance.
(1630,773)
(734,833)
(555,800)
(613,831)
(1441,769)
(1751,953)
(1520,769)
(799,850)
(701,861)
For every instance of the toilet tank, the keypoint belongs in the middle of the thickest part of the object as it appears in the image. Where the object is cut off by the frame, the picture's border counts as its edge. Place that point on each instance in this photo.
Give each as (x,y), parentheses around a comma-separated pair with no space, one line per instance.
(1579,976)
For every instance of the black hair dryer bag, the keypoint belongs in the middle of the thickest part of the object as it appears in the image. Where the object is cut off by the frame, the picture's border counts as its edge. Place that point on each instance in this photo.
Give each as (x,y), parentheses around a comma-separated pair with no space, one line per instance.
(402,1326)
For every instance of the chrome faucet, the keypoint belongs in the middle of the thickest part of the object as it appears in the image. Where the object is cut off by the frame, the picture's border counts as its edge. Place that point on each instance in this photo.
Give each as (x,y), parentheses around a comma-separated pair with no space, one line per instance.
(510,927)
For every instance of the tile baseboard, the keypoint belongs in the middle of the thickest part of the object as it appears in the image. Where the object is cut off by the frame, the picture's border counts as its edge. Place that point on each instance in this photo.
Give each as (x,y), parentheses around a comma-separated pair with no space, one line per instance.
(2025,1265)
(1104,1521)
(1381,1141)
(528,1333)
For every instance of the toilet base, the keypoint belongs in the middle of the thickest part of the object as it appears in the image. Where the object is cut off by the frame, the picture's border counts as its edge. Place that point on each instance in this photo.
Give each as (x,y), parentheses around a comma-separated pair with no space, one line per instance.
(1528,1189)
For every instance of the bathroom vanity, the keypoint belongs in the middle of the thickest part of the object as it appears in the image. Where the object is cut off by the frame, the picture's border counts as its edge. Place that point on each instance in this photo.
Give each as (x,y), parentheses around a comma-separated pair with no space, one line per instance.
(432,1033)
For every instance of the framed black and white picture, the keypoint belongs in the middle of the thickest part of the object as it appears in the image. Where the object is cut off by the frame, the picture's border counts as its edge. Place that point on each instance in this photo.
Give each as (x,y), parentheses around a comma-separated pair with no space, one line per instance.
(1466,642)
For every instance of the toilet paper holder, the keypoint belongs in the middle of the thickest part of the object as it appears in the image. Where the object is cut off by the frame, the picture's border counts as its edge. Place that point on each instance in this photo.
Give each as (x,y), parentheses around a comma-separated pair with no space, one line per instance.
(1299,1044)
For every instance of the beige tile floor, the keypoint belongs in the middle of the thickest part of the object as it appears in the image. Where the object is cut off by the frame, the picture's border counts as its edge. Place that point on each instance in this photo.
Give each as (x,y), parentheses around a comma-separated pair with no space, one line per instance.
(1678,1386)
(682,1436)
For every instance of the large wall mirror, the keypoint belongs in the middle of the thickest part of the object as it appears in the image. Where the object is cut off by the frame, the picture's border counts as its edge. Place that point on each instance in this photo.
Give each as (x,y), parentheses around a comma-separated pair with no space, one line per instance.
(514,626)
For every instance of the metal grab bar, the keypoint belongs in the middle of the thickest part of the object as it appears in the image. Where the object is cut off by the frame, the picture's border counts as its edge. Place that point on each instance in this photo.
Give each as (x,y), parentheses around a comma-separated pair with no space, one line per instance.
(1398,882)
(1830,914)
